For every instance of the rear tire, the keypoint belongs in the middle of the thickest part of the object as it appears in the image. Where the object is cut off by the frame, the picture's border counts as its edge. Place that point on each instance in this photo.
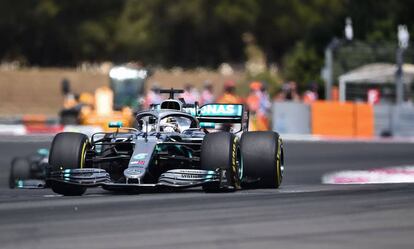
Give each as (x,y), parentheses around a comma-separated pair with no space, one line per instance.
(262,153)
(68,151)
(20,170)
(221,150)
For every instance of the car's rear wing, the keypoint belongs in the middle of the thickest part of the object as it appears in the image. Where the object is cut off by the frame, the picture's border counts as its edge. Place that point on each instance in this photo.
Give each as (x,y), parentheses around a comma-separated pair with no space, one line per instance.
(221,113)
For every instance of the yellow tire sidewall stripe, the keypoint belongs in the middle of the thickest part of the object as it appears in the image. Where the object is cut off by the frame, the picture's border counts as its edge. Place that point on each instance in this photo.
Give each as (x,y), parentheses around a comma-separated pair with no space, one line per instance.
(233,164)
(278,159)
(83,155)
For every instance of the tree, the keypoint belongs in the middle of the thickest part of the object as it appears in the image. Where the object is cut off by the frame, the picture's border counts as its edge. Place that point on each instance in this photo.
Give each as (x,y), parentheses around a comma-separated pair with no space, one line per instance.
(189,33)
(302,65)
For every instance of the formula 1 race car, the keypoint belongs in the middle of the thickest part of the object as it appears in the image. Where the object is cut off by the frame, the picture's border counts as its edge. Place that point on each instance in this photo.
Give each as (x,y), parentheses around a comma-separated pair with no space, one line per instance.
(29,171)
(175,145)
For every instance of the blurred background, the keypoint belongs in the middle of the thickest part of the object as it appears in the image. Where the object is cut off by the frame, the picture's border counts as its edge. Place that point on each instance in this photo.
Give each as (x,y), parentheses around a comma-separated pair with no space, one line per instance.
(316,67)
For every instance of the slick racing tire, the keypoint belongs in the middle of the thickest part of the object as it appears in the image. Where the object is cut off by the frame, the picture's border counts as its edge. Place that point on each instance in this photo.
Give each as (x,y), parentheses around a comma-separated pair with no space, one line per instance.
(262,153)
(68,151)
(221,150)
(20,170)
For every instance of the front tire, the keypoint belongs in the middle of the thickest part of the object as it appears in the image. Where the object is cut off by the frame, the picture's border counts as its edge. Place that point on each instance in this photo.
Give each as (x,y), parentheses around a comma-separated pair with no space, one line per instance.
(262,153)
(221,150)
(20,170)
(68,151)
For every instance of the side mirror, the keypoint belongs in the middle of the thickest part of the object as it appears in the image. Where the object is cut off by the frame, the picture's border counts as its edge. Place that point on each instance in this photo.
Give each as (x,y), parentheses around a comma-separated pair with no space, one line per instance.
(115,124)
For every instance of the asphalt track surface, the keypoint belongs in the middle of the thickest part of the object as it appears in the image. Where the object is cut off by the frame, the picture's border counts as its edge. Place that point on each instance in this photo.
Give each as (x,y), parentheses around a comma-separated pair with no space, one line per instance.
(303,213)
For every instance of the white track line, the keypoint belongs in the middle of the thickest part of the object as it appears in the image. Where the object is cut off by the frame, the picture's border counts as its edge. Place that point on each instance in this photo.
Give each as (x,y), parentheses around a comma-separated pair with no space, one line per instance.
(329,139)
(400,174)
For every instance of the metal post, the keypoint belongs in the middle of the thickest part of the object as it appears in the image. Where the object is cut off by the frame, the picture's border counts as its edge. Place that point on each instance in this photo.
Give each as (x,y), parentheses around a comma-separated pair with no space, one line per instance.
(403,41)
(399,83)
(334,44)
(342,90)
(328,72)
(399,91)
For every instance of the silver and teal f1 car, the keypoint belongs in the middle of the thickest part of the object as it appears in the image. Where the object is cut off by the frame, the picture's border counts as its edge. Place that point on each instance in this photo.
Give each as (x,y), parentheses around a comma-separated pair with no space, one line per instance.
(175,145)
(29,171)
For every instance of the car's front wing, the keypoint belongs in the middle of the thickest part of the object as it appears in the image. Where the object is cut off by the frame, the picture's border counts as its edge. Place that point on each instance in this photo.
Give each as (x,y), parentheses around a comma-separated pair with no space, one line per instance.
(177,178)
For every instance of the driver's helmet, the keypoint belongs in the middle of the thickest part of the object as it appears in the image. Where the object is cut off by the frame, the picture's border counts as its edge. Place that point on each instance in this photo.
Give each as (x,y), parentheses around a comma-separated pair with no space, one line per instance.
(169,124)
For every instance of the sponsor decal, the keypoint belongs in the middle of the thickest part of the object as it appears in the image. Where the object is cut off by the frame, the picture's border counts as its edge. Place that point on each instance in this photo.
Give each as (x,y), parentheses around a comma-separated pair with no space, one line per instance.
(191,171)
(140,156)
(208,125)
(213,110)
(190,110)
(138,166)
(190,176)
(221,110)
(139,162)
(133,171)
